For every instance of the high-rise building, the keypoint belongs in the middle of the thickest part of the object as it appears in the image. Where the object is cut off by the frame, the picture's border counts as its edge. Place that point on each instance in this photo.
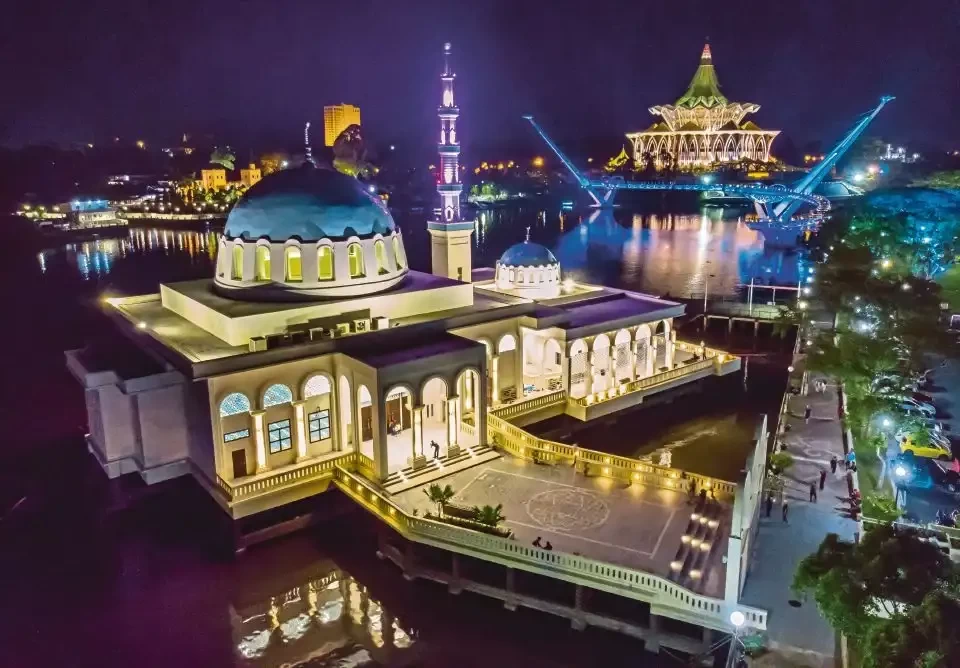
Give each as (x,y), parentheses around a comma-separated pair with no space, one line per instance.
(449,233)
(336,119)
(702,127)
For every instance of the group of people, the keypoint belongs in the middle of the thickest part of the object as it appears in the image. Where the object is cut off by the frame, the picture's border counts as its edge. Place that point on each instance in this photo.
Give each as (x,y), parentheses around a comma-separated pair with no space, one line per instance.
(946,519)
(537,542)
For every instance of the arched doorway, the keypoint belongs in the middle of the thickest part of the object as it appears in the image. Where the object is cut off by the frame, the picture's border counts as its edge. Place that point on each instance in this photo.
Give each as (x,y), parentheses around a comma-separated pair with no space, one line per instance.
(601,363)
(398,414)
(365,420)
(465,431)
(346,415)
(579,369)
(436,423)
(622,357)
(506,368)
(644,356)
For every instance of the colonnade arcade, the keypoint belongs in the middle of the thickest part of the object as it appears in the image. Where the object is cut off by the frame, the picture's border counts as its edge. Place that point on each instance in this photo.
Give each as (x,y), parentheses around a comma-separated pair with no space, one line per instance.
(605,360)
(285,425)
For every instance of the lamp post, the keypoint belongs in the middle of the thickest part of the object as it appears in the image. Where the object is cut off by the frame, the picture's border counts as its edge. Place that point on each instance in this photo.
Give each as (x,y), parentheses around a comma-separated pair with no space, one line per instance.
(737,619)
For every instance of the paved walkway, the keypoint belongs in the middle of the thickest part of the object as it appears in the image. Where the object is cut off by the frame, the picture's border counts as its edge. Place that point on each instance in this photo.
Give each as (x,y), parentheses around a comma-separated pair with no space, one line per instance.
(799,636)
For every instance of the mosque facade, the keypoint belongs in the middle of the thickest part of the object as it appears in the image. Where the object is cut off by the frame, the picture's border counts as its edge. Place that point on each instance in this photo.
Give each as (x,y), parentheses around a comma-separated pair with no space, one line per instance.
(316,356)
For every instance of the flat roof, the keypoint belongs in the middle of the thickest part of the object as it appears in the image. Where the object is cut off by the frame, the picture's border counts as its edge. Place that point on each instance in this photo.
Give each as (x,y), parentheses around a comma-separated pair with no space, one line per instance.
(441,344)
(201,290)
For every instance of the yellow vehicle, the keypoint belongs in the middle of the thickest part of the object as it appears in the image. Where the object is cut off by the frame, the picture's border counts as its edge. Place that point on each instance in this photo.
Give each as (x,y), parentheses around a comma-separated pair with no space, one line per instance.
(921,445)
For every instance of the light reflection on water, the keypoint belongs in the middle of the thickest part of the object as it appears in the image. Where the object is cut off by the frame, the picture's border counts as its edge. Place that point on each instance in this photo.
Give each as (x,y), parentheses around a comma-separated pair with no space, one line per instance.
(676,254)
(327,621)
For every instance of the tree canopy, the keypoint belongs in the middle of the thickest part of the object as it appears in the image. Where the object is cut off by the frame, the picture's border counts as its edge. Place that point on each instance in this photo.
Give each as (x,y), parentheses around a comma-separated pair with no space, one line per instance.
(895,594)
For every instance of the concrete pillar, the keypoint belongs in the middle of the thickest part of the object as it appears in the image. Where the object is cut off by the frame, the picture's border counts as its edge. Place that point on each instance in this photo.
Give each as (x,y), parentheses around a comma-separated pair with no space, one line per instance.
(651,358)
(417,460)
(259,440)
(707,639)
(453,423)
(495,378)
(671,348)
(409,561)
(652,643)
(300,429)
(510,603)
(454,586)
(578,623)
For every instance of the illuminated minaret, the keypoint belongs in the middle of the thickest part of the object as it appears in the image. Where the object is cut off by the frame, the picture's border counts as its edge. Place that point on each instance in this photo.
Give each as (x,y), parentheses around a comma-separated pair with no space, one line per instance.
(449,233)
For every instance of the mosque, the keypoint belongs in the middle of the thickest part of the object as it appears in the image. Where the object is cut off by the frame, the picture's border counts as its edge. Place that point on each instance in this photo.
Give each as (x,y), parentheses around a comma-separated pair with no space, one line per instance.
(316,355)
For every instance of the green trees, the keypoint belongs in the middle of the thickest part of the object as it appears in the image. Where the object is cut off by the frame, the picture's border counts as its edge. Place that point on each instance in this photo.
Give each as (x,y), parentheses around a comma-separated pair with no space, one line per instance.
(439,495)
(490,515)
(894,594)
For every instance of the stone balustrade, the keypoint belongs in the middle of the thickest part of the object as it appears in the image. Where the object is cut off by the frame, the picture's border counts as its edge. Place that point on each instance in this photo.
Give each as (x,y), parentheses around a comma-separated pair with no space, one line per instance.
(265,483)
(665,597)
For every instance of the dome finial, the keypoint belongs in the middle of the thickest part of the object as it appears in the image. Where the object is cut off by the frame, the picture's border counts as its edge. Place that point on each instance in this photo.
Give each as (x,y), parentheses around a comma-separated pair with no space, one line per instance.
(528,235)
(307,148)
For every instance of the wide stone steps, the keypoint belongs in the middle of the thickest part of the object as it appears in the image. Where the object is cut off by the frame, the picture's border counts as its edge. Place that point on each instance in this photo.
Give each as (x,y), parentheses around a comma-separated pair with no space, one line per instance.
(408,478)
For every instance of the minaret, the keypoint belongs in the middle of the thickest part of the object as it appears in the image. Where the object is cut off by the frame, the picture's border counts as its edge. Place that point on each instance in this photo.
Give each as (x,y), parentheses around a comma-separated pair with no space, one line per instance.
(449,233)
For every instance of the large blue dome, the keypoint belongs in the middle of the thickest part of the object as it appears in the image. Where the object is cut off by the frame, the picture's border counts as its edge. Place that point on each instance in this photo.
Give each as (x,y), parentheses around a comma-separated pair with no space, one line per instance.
(310,204)
(527,254)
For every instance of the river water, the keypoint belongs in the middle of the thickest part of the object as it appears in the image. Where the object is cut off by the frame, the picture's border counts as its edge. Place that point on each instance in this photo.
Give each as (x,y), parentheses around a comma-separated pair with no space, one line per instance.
(88,584)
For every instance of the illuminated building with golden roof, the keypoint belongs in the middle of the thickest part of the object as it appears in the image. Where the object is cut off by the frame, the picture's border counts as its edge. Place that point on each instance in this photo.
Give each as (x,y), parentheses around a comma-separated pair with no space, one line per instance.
(703,127)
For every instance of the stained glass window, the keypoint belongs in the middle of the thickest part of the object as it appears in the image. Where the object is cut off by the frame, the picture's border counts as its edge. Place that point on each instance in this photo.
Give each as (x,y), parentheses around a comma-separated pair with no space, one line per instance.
(276,395)
(278,436)
(316,386)
(233,404)
(319,424)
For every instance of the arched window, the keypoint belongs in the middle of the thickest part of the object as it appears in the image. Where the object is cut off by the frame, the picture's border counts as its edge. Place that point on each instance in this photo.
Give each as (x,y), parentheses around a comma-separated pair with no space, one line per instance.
(355,260)
(263,263)
(277,394)
(380,252)
(325,263)
(237,269)
(398,253)
(316,385)
(507,343)
(233,404)
(291,258)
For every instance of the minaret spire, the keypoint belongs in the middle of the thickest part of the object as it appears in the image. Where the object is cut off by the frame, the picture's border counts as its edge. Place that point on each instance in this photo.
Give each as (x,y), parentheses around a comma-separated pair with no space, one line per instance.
(449,233)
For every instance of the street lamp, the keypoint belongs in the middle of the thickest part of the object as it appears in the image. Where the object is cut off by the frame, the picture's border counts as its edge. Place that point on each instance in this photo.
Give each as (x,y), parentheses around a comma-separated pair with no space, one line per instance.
(737,618)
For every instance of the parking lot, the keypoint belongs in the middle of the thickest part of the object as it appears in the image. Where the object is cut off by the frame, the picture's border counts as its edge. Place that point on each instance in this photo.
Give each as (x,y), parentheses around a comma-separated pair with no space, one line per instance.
(922,504)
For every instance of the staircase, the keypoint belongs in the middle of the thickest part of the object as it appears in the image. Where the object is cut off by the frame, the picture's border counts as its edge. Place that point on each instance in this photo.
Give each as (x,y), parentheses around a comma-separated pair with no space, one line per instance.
(408,478)
(698,545)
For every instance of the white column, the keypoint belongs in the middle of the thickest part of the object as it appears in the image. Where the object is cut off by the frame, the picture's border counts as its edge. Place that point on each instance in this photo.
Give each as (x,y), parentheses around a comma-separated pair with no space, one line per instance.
(651,358)
(453,425)
(671,347)
(258,439)
(417,431)
(300,428)
(495,377)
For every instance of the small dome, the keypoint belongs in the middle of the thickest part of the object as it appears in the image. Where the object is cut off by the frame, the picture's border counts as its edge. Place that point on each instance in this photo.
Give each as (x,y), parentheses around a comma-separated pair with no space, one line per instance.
(529,270)
(309,204)
(527,254)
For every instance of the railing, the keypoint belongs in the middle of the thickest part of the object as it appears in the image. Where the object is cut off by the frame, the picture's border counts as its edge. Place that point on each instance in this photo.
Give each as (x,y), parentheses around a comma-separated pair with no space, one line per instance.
(268,482)
(520,407)
(468,429)
(638,584)
(366,465)
(648,382)
(525,445)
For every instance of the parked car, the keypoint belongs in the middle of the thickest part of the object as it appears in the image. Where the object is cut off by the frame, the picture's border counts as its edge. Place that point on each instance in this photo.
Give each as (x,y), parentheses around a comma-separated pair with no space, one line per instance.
(912,406)
(921,473)
(920,444)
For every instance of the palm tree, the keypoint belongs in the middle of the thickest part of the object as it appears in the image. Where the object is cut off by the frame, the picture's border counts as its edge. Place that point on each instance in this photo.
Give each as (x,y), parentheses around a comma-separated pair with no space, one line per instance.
(439,495)
(489,515)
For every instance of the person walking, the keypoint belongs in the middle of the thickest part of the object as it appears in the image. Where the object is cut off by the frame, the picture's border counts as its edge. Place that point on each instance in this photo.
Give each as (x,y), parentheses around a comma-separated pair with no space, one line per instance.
(785,508)
(813,492)
(823,478)
(436,449)
(806,414)
(833,464)
(769,503)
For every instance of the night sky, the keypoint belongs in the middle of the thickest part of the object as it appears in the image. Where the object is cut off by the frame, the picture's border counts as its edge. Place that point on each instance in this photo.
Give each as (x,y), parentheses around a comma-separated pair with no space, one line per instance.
(252,72)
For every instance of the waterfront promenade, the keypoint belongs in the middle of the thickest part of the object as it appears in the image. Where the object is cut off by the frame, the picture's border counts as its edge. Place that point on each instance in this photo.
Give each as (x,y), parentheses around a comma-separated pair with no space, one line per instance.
(797,634)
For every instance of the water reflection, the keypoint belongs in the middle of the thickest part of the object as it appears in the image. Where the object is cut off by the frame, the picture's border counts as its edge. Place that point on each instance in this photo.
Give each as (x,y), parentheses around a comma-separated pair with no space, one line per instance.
(327,621)
(95,259)
(677,254)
